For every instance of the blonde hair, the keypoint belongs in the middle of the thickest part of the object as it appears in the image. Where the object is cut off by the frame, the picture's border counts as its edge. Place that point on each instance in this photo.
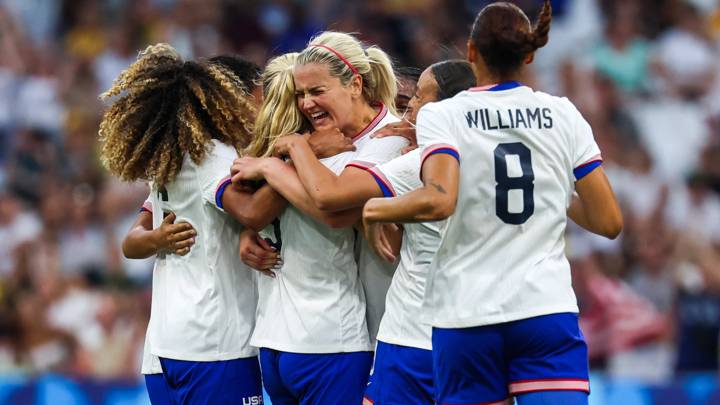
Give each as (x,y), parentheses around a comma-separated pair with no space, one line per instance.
(279,114)
(347,57)
(165,108)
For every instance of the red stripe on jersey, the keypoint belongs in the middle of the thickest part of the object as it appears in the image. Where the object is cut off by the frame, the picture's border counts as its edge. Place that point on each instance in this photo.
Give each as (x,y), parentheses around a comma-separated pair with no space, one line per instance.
(380,176)
(360,164)
(147,206)
(596,158)
(379,117)
(482,88)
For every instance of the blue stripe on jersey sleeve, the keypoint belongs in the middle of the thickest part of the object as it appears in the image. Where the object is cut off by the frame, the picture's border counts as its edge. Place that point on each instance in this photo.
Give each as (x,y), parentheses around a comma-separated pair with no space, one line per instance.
(220,191)
(385,189)
(585,169)
(449,151)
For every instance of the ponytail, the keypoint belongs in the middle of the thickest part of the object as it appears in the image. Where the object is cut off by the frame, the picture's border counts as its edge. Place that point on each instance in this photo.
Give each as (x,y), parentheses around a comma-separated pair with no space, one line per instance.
(503,36)
(346,58)
(381,83)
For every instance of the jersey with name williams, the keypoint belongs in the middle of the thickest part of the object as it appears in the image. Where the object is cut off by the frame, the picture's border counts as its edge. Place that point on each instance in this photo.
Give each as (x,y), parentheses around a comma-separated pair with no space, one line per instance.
(502,257)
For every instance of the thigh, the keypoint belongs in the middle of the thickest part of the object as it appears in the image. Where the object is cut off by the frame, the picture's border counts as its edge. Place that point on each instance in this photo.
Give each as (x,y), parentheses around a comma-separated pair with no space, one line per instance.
(326,379)
(214,382)
(158,390)
(547,353)
(401,375)
(272,380)
(469,365)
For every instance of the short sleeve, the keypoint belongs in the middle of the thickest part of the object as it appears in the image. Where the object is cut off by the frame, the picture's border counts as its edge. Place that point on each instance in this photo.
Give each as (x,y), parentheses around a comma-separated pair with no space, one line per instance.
(147,205)
(377,151)
(400,175)
(214,173)
(435,132)
(586,153)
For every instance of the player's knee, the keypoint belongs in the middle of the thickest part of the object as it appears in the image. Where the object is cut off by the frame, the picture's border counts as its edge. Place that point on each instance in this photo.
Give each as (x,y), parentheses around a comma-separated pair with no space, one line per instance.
(367,402)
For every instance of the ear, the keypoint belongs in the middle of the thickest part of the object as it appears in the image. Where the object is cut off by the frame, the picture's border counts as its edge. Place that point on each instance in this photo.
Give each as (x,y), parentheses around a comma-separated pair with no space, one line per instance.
(471,52)
(530,58)
(356,86)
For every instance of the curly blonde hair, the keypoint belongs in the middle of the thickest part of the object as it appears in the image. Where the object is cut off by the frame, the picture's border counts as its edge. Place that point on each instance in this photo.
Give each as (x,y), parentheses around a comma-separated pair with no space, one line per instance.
(163,108)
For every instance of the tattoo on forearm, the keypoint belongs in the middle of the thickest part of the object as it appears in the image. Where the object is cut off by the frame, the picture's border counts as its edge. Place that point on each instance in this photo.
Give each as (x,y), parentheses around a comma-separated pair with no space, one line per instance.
(438,187)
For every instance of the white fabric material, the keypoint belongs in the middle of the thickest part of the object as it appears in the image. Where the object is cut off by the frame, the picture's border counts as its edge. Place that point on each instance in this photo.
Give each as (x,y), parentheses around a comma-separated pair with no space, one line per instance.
(401,324)
(316,304)
(487,270)
(203,303)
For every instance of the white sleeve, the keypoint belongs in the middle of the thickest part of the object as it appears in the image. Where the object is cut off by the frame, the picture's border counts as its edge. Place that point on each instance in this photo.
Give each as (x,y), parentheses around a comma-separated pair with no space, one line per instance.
(214,173)
(147,205)
(435,132)
(586,153)
(400,175)
(377,151)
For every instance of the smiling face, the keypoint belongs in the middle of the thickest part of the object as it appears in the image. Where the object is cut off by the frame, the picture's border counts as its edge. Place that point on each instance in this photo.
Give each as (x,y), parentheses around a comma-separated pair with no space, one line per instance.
(323,99)
(427,90)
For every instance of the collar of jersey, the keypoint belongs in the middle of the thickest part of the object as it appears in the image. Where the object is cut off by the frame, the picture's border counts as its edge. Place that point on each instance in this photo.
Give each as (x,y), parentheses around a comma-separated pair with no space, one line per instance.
(379,117)
(498,87)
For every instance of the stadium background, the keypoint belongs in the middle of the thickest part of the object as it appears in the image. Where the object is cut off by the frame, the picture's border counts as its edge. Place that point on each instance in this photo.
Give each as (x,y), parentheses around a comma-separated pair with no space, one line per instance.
(644,73)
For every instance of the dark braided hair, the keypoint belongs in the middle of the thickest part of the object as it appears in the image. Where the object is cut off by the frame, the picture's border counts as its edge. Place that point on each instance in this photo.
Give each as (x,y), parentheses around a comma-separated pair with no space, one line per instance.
(452,77)
(503,36)
(166,108)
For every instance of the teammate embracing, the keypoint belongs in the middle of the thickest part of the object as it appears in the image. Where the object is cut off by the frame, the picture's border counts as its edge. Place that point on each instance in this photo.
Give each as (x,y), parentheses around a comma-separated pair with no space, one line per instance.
(505,160)
(179,125)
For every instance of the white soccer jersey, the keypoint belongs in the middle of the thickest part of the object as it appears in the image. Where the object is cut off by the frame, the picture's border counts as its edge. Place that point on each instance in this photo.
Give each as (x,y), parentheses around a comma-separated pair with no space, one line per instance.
(376,274)
(401,324)
(316,304)
(502,254)
(150,363)
(203,303)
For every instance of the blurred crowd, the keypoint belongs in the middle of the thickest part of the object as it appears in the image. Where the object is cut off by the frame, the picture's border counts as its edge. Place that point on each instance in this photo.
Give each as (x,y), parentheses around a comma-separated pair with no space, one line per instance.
(645,73)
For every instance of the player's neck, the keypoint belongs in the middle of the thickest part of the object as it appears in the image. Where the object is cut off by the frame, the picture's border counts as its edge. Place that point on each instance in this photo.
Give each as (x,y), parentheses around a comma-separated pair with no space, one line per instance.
(360,121)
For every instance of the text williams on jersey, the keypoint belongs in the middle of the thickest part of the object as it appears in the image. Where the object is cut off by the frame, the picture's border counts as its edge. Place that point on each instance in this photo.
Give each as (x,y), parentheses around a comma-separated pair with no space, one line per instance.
(528,118)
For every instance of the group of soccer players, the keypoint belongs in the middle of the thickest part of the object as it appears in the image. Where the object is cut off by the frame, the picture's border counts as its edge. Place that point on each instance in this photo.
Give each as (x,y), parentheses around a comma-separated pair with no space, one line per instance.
(440,233)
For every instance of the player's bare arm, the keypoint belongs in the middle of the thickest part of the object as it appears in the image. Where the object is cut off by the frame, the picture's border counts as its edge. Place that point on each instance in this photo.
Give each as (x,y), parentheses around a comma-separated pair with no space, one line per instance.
(142,241)
(254,210)
(434,201)
(283,178)
(328,191)
(596,209)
